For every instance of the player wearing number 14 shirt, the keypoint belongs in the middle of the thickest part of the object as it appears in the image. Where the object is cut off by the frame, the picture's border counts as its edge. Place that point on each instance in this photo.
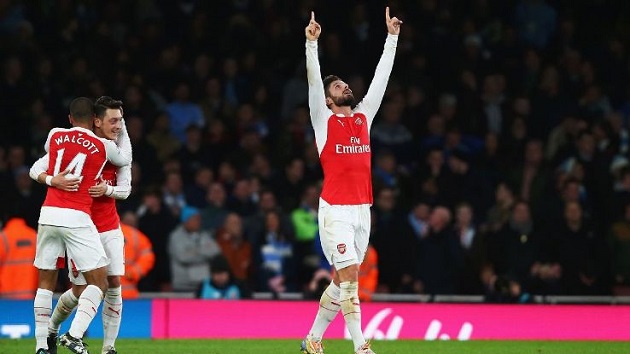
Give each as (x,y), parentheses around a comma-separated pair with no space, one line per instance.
(65,223)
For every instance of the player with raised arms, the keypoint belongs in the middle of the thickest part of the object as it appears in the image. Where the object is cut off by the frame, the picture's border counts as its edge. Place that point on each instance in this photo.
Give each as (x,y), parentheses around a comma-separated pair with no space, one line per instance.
(342,135)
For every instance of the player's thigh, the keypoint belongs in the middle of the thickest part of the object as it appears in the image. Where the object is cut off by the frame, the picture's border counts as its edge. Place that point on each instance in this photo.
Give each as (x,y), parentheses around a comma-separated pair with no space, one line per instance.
(84,247)
(337,234)
(50,246)
(362,230)
(114,244)
(74,275)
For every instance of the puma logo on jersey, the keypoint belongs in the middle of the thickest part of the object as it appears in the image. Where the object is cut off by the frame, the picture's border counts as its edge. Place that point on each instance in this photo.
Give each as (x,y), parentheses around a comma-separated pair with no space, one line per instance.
(340,122)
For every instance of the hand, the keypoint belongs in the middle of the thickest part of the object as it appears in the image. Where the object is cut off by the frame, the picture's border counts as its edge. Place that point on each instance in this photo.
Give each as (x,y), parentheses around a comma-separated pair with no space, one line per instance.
(313,30)
(393,24)
(98,190)
(70,184)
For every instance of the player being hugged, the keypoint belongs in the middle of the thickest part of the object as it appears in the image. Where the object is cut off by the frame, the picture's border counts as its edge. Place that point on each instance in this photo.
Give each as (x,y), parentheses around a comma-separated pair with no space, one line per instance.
(76,158)
(342,135)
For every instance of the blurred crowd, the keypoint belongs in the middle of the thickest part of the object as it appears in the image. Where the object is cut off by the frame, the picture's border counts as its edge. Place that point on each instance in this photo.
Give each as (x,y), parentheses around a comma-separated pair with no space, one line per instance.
(501,150)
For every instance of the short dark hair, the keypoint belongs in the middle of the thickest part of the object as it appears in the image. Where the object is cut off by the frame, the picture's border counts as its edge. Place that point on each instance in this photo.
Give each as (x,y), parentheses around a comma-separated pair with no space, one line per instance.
(82,109)
(327,81)
(104,103)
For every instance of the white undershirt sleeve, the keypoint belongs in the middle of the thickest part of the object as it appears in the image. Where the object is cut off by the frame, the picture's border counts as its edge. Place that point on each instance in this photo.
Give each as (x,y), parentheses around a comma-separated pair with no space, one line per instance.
(122,189)
(316,97)
(40,166)
(372,100)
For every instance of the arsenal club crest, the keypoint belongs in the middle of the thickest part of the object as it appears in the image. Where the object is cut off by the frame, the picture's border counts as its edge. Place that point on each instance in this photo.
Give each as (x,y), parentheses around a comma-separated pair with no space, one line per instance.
(358,121)
(341,248)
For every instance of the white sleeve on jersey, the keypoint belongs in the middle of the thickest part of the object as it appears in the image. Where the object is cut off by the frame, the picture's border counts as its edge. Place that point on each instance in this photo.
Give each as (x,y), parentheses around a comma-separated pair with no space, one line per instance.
(122,189)
(40,166)
(123,142)
(316,97)
(372,100)
(115,155)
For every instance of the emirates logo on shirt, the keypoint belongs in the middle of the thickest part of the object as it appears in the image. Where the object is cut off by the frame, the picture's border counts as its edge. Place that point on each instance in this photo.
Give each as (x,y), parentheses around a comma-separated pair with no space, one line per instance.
(341,248)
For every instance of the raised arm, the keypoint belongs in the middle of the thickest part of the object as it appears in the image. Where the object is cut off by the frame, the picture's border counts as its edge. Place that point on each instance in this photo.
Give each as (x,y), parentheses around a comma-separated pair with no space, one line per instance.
(372,100)
(316,97)
(119,153)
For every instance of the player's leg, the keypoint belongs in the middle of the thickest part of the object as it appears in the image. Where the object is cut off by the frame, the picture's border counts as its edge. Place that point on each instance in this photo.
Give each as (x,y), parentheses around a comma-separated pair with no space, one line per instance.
(361,241)
(85,249)
(329,229)
(113,243)
(68,301)
(49,248)
(347,265)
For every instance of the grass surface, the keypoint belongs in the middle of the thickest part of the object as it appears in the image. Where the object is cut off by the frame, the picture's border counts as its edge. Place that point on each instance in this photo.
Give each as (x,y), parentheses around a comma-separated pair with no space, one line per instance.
(141,346)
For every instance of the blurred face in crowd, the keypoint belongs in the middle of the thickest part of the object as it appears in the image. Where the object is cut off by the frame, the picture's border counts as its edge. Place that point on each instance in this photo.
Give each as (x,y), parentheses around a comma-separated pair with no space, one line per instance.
(272,221)
(440,217)
(386,199)
(422,211)
(216,194)
(464,214)
(193,224)
(173,183)
(233,225)
(573,212)
(520,214)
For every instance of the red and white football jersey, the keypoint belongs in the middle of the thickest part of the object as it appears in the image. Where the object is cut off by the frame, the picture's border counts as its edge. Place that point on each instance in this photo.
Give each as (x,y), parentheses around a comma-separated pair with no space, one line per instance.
(343,142)
(83,154)
(104,212)
(346,161)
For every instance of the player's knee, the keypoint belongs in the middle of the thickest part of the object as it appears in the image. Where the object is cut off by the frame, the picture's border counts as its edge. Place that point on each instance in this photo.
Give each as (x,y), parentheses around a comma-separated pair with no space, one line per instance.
(349,273)
(113,281)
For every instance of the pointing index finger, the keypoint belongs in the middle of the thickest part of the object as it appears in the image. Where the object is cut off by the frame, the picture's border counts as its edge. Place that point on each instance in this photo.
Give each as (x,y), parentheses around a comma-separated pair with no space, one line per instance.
(387,14)
(312,15)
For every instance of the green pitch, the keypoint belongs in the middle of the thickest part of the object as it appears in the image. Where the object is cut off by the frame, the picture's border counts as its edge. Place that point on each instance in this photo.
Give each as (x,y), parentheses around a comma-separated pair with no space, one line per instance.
(242,346)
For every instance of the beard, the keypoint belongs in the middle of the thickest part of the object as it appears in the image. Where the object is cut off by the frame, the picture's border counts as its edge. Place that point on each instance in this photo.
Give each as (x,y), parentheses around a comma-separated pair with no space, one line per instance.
(345,100)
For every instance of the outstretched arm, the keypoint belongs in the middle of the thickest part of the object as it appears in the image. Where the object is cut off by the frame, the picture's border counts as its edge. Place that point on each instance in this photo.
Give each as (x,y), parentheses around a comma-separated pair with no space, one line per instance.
(372,100)
(316,97)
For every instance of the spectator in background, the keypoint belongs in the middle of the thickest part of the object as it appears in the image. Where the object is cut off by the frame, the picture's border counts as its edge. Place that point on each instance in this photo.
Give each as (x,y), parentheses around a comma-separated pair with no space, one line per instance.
(193,155)
(619,243)
(190,249)
(173,193)
(472,248)
(161,138)
(139,256)
(195,192)
(290,185)
(439,258)
(157,222)
(221,285)
(18,277)
(581,254)
(235,248)
(183,113)
(274,259)
(213,215)
(306,227)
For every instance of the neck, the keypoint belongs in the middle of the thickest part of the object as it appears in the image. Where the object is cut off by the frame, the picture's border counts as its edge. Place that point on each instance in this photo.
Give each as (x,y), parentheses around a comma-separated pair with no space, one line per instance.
(345,110)
(83,125)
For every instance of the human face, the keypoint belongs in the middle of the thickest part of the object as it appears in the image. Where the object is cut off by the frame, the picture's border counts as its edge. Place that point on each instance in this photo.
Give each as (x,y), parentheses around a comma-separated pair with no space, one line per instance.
(340,94)
(109,125)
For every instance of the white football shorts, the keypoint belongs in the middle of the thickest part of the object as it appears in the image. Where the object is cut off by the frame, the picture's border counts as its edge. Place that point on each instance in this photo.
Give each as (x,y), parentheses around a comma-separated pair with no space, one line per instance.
(114,244)
(344,231)
(81,244)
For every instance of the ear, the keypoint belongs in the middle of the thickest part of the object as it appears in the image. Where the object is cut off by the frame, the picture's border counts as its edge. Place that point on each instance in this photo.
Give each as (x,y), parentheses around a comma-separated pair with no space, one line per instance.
(70,120)
(329,101)
(98,122)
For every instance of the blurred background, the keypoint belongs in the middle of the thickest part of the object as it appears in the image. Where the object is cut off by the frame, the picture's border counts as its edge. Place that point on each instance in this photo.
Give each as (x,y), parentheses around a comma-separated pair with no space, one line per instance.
(501,149)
